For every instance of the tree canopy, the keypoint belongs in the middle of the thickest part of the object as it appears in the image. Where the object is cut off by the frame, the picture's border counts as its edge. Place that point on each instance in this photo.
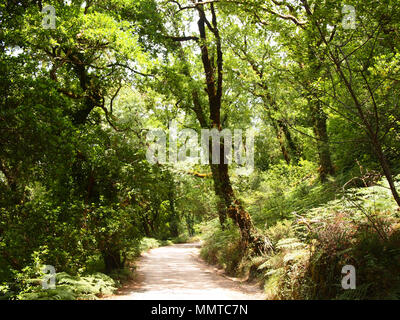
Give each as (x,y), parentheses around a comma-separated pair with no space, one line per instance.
(83,82)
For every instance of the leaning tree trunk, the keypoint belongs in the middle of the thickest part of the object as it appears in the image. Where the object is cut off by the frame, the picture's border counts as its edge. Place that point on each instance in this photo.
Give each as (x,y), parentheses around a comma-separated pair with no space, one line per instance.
(250,238)
(385,166)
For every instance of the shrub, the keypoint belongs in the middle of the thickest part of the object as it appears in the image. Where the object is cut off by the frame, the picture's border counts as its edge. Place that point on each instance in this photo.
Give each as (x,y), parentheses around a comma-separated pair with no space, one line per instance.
(222,247)
(147,244)
(312,270)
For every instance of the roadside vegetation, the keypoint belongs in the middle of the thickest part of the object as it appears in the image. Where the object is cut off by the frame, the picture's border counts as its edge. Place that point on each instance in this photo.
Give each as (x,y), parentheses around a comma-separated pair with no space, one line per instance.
(315,230)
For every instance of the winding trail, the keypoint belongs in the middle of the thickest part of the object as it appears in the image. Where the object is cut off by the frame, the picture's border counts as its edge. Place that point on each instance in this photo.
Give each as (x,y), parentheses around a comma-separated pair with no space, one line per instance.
(177,273)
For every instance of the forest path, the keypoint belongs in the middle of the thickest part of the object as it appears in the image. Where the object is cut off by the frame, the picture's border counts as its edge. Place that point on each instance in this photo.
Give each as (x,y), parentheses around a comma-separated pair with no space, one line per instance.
(177,273)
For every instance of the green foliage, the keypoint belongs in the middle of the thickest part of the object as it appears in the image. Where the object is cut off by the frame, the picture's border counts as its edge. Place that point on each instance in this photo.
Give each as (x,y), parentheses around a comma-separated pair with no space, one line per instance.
(75,186)
(284,189)
(311,269)
(147,244)
(74,288)
(77,192)
(222,247)
(360,229)
(27,283)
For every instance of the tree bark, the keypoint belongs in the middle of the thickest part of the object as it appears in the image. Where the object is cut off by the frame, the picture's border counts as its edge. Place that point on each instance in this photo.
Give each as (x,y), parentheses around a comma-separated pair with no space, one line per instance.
(294,149)
(319,118)
(281,141)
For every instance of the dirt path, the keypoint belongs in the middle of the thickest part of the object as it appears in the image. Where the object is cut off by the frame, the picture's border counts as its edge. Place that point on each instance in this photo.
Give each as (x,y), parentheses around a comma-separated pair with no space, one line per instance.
(177,273)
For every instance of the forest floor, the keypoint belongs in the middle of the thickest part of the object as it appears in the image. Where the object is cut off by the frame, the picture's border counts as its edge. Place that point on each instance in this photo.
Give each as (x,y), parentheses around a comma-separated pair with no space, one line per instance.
(177,272)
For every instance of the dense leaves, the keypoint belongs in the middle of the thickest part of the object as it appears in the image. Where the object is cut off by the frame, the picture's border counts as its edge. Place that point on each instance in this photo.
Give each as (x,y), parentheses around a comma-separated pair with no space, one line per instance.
(77,100)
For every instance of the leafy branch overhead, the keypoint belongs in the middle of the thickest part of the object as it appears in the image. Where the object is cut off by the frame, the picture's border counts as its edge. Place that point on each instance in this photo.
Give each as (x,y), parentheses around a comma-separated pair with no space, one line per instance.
(105,107)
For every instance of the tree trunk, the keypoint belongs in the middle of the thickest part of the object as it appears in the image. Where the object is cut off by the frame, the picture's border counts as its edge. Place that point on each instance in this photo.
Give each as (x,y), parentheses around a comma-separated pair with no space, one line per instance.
(174,222)
(145,225)
(318,117)
(221,213)
(294,149)
(279,135)
(112,260)
(232,207)
(386,168)
(250,238)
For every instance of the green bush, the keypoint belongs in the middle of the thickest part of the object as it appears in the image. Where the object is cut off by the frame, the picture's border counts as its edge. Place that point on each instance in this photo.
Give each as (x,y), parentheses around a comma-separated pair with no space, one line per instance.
(222,247)
(360,230)
(147,244)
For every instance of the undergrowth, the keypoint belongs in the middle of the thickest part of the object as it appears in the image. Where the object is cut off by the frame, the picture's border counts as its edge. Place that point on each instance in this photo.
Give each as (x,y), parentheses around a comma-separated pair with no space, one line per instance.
(70,287)
(89,284)
(358,226)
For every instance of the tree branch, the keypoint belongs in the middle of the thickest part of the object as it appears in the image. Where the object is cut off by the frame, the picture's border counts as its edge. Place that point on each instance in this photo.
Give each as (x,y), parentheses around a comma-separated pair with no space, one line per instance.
(184,38)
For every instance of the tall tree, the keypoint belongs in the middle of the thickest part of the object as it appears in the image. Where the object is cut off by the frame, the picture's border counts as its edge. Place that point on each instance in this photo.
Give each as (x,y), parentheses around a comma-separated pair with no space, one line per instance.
(211,56)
